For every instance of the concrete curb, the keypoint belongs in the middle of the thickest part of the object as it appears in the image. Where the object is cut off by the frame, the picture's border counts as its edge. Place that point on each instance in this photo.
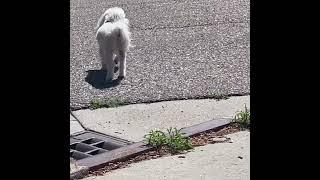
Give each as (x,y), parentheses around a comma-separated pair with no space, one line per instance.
(79,174)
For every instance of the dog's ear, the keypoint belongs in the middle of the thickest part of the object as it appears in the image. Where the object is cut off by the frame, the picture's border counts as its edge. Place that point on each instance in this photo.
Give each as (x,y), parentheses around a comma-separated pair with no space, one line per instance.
(100,21)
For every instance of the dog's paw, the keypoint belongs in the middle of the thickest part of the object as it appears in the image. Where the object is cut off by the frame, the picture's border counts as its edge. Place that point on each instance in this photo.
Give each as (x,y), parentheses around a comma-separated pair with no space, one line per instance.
(121,77)
(116,69)
(116,60)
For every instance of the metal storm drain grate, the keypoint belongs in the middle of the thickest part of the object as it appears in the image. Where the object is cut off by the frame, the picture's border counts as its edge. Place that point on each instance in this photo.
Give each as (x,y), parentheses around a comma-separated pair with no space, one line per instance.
(87,144)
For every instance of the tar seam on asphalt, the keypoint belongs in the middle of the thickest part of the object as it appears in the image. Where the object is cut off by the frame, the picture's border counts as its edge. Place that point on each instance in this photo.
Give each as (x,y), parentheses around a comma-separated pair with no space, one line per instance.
(187,26)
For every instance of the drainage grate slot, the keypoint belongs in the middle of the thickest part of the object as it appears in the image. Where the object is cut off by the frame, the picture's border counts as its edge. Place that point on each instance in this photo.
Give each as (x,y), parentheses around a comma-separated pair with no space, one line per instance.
(79,155)
(87,144)
(96,151)
(82,147)
(107,145)
(91,141)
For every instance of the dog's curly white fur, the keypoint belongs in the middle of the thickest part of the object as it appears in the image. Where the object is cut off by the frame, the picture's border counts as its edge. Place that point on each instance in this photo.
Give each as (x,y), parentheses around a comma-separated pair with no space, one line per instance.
(114,40)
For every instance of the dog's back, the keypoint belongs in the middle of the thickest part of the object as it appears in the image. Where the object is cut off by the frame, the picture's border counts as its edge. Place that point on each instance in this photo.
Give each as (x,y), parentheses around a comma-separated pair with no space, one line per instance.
(116,34)
(114,27)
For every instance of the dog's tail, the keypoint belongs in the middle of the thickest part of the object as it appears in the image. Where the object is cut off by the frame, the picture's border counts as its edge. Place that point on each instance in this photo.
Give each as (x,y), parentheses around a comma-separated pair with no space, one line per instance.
(124,37)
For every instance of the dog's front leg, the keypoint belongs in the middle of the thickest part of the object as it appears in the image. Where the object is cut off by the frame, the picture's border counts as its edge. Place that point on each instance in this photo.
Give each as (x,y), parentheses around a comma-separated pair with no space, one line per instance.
(122,58)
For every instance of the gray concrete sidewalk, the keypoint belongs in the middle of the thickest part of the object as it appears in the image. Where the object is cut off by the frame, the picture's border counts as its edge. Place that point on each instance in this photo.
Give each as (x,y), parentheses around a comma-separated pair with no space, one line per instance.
(74,126)
(132,122)
(222,161)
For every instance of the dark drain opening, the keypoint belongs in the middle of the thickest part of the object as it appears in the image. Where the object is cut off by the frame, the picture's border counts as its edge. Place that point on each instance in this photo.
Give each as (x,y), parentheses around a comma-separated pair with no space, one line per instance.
(78,155)
(87,144)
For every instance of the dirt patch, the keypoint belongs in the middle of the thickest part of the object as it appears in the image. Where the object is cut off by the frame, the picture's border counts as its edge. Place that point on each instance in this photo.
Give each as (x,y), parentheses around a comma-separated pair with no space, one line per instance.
(208,137)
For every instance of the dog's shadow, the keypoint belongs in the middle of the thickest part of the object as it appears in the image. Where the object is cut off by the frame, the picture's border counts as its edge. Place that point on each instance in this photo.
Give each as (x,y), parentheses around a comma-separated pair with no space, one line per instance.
(97,79)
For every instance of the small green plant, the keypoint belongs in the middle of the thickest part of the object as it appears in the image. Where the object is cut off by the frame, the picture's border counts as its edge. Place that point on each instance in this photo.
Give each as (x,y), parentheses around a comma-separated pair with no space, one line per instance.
(156,138)
(95,104)
(243,117)
(114,102)
(173,140)
(109,103)
(218,97)
(176,142)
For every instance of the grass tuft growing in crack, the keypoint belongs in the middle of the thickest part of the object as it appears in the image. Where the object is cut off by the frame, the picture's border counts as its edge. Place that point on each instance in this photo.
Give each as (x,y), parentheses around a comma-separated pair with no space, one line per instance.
(109,103)
(243,118)
(218,97)
(174,140)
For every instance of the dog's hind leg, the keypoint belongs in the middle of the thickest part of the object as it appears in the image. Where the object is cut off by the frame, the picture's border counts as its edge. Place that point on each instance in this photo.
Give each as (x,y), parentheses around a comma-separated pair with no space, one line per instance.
(109,65)
(122,59)
(103,58)
(116,59)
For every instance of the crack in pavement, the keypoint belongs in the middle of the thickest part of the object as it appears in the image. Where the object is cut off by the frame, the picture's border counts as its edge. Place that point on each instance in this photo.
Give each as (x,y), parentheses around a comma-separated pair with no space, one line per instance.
(87,105)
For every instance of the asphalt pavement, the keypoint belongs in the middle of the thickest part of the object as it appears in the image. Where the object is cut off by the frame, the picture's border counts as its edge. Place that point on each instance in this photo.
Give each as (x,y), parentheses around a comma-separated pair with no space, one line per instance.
(182,49)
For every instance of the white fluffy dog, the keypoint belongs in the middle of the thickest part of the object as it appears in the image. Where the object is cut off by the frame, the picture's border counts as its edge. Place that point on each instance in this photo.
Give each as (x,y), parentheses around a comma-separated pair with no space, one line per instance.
(113,37)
